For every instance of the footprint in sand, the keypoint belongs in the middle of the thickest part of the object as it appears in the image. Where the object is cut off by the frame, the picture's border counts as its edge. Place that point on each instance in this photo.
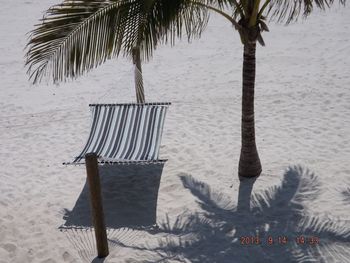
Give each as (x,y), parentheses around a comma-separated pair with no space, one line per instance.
(49,260)
(9,247)
(67,257)
(7,250)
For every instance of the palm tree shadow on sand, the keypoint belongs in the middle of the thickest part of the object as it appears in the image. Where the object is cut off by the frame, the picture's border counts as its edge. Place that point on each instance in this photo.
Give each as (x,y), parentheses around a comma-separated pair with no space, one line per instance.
(221,232)
(129,194)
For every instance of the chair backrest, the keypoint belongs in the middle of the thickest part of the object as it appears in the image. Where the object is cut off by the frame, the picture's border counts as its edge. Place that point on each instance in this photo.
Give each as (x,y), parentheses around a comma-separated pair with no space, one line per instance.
(130,132)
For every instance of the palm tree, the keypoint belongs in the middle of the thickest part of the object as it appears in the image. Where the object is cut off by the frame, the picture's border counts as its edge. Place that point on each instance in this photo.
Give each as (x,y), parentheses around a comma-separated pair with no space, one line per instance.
(249,19)
(76,36)
(79,35)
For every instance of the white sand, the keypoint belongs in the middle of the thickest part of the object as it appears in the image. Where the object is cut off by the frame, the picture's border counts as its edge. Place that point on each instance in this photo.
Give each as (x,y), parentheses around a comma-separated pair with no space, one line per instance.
(302,118)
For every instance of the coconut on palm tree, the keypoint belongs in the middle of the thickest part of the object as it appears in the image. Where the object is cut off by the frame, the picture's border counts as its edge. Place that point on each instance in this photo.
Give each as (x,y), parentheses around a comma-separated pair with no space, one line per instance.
(78,35)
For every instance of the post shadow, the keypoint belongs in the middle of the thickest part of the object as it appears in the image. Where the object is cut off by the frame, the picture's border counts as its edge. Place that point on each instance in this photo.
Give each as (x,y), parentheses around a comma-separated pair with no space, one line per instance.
(129,194)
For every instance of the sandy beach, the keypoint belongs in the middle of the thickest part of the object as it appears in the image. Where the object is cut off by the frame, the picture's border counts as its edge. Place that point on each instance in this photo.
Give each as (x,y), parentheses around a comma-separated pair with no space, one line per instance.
(303,137)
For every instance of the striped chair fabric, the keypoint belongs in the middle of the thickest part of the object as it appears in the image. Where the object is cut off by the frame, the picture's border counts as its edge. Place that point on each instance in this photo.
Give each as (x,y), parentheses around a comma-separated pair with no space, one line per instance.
(125,132)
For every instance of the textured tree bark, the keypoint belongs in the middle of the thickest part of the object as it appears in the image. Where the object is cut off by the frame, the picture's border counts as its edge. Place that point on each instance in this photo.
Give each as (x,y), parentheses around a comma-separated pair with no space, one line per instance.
(249,162)
(140,94)
(93,179)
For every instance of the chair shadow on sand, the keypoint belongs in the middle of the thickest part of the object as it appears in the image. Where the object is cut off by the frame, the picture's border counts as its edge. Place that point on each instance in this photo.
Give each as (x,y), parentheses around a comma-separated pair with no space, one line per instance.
(129,194)
(216,233)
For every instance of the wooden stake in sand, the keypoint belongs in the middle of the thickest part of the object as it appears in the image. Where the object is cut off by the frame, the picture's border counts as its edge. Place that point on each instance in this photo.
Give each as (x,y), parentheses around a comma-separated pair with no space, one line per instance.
(96,204)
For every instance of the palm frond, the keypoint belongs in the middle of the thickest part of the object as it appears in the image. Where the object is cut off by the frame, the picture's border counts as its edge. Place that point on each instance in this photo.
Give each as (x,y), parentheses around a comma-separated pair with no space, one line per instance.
(288,11)
(221,7)
(76,36)
(165,20)
(236,7)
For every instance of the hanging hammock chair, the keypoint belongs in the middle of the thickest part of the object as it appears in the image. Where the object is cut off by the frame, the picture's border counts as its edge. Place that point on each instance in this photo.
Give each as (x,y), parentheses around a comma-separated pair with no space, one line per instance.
(125,133)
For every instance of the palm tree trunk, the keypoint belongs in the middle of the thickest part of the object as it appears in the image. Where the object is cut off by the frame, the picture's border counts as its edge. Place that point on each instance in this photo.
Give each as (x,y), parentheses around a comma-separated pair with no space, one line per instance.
(140,94)
(249,162)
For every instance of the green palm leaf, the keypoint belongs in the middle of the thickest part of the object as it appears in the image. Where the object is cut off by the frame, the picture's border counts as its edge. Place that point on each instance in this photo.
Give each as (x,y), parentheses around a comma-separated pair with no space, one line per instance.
(163,21)
(288,11)
(76,36)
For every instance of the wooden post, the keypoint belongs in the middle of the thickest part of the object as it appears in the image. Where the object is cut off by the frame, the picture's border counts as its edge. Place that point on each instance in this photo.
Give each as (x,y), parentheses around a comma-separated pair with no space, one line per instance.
(96,204)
